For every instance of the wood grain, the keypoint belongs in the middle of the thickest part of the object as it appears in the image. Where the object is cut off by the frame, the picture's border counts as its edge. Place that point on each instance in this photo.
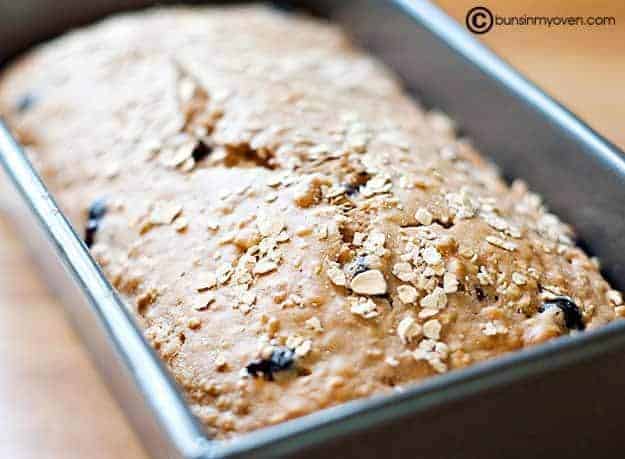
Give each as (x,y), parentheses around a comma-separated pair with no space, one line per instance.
(53,404)
(581,66)
(52,401)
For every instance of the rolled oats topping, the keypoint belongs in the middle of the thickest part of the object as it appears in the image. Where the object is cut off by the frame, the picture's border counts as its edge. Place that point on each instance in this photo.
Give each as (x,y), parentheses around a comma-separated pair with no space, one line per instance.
(450,283)
(435,300)
(407,294)
(223,273)
(289,228)
(519,279)
(336,274)
(364,307)
(370,282)
(501,243)
(433,352)
(423,216)
(203,301)
(615,297)
(404,272)
(265,266)
(164,213)
(409,329)
(205,280)
(314,324)
(432,256)
(374,244)
(432,329)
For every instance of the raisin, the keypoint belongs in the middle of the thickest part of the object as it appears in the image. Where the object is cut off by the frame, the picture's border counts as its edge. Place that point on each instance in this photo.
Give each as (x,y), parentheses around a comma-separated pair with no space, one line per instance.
(90,230)
(281,359)
(572,315)
(201,151)
(359,265)
(281,5)
(350,189)
(354,182)
(96,211)
(25,102)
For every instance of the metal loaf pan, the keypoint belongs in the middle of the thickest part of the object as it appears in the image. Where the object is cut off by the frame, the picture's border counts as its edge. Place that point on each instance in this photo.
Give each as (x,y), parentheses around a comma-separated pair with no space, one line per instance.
(561,398)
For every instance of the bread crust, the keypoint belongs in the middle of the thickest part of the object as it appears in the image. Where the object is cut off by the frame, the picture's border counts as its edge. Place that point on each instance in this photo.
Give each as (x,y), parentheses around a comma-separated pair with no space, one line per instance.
(290,229)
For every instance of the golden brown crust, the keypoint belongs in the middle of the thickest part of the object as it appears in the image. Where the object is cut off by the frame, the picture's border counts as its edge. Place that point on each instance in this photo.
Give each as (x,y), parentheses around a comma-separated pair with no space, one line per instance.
(269,188)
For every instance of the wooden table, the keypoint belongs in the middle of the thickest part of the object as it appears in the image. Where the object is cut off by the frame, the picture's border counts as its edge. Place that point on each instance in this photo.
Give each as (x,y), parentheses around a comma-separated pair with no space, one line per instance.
(582,67)
(52,402)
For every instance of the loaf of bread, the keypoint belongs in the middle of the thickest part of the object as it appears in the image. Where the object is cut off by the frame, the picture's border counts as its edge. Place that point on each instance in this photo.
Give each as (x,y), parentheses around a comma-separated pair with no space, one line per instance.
(289,228)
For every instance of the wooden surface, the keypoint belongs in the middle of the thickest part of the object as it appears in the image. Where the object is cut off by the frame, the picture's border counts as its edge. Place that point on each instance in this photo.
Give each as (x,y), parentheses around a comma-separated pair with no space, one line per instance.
(51,400)
(582,67)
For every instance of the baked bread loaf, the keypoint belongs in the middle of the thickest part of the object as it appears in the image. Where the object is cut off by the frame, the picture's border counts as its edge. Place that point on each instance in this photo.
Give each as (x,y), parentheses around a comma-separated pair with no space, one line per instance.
(290,229)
